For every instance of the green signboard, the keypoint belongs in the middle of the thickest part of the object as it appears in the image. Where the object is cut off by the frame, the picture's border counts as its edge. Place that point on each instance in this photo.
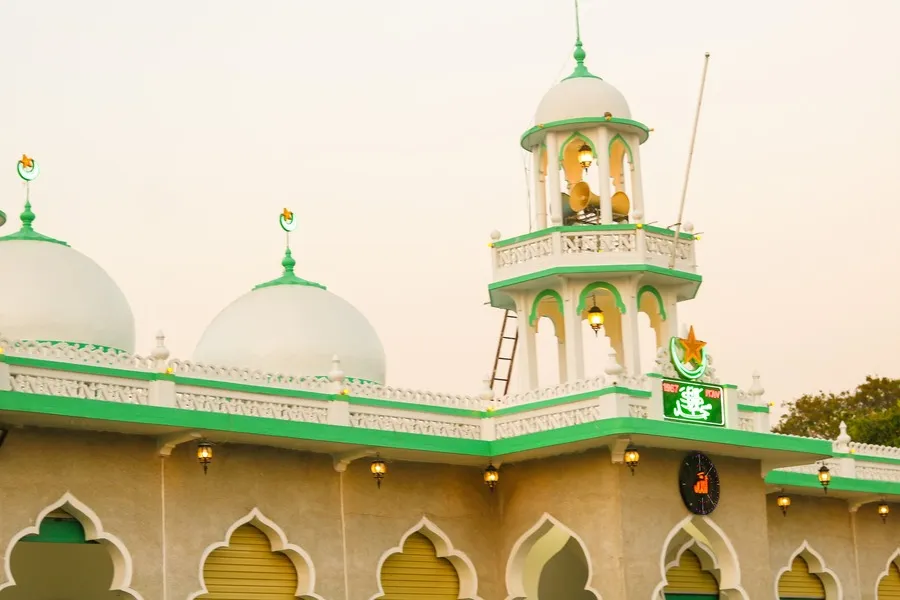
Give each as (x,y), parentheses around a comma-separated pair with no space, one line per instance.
(693,402)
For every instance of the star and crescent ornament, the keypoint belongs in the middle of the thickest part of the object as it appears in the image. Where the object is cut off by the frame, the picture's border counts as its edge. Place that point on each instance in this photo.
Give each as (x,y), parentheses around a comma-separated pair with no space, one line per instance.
(694,359)
(27,168)
(287,221)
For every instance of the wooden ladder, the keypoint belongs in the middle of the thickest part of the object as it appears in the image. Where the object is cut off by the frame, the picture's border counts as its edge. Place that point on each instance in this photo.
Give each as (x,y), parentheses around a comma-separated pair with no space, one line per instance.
(499,376)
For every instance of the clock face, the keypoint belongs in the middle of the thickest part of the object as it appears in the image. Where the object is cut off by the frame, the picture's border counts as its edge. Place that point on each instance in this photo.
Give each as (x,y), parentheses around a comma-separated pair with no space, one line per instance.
(698,481)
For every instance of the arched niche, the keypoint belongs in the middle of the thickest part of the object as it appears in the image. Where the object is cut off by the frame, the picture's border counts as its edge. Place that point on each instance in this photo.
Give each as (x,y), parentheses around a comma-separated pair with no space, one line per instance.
(240,534)
(84,537)
(619,170)
(805,561)
(609,300)
(548,303)
(887,584)
(410,541)
(549,561)
(568,157)
(651,316)
(705,539)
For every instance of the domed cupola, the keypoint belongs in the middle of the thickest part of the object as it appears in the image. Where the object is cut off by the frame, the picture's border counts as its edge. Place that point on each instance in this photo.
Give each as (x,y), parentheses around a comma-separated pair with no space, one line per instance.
(53,293)
(293,326)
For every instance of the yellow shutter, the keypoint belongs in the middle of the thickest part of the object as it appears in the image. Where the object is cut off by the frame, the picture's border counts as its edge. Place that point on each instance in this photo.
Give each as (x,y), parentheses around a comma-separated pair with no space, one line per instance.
(889,586)
(688,577)
(418,573)
(247,569)
(800,583)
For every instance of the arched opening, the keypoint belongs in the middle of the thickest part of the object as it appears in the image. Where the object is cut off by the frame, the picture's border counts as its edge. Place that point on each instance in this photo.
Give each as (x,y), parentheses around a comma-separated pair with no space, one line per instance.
(580,201)
(549,562)
(425,565)
(597,347)
(806,576)
(255,560)
(66,554)
(621,166)
(689,580)
(546,317)
(889,583)
(247,565)
(706,545)
(651,326)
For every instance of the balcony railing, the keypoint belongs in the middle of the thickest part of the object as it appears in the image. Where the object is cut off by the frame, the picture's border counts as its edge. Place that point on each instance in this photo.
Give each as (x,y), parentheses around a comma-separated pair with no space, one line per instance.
(592,245)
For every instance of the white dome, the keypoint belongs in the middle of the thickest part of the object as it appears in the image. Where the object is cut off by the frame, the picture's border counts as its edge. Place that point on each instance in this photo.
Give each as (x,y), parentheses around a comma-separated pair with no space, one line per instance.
(579,97)
(56,294)
(295,329)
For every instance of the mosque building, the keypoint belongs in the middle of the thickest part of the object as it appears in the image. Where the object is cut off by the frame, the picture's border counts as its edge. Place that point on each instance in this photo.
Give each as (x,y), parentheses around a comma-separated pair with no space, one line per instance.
(278,463)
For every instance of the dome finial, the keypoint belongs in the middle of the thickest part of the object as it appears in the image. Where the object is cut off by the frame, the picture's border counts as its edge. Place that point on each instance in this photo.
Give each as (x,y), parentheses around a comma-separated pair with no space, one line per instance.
(28,171)
(579,55)
(288,262)
(288,224)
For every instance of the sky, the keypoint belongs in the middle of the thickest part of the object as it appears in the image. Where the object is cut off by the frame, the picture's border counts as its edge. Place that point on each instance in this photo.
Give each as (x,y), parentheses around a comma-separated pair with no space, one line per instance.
(170,135)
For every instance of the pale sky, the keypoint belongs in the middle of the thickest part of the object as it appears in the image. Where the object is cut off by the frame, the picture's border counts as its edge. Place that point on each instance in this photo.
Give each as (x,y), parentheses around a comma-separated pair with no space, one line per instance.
(171,134)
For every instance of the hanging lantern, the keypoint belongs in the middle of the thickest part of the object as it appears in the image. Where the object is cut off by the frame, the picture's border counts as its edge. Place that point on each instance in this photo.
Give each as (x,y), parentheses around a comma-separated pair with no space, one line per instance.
(379,468)
(632,457)
(595,319)
(585,156)
(491,476)
(783,501)
(204,454)
(824,477)
(883,511)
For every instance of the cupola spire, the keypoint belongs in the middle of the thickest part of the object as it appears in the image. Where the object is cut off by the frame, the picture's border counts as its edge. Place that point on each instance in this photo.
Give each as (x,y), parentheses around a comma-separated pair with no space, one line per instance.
(288,277)
(579,55)
(28,171)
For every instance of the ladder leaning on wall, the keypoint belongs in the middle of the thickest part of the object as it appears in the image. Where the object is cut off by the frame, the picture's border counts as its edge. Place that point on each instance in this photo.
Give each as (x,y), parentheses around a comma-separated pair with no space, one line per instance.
(506,354)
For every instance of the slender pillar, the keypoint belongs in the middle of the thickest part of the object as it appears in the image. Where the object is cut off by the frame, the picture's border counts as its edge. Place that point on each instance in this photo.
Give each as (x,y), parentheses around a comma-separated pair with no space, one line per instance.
(540,189)
(554,190)
(603,176)
(574,342)
(630,342)
(561,356)
(525,365)
(637,188)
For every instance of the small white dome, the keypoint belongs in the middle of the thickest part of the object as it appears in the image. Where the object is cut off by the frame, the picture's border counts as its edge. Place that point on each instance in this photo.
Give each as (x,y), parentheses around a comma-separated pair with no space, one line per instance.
(579,97)
(54,293)
(293,327)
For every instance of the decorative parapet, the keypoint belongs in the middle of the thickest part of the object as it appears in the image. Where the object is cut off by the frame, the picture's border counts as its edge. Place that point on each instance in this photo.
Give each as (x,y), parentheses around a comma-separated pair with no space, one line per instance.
(581,245)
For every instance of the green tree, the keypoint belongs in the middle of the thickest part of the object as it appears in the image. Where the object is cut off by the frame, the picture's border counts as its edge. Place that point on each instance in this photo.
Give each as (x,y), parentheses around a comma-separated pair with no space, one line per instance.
(871,411)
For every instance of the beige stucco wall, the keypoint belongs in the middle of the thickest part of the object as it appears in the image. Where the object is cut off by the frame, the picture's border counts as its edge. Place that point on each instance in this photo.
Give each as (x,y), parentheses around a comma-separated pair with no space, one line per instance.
(623,521)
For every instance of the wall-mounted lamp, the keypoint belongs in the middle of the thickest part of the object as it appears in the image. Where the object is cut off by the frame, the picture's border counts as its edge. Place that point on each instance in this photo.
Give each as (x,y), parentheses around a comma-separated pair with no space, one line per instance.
(379,468)
(883,511)
(585,156)
(783,501)
(632,457)
(491,476)
(204,454)
(824,477)
(595,317)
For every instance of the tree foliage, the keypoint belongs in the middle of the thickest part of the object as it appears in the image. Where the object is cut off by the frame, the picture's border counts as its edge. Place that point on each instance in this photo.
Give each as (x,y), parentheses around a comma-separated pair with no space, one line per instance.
(871,411)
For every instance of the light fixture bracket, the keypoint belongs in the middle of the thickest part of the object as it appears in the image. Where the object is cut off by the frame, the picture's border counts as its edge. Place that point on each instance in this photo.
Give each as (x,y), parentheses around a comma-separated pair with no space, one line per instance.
(166,443)
(617,450)
(343,460)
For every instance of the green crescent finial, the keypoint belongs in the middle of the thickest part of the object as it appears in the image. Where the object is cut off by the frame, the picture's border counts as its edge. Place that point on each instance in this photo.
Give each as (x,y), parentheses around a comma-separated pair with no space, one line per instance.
(288,224)
(579,55)
(28,171)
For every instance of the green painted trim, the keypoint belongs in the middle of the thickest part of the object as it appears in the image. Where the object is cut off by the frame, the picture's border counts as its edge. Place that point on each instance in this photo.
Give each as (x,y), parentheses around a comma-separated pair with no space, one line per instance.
(27,232)
(511,410)
(649,289)
(393,404)
(752,408)
(600,285)
(866,458)
(232,386)
(81,346)
(843,484)
(644,130)
(58,531)
(575,136)
(619,137)
(665,429)
(589,228)
(534,305)
(2,218)
(692,277)
(227,423)
(54,365)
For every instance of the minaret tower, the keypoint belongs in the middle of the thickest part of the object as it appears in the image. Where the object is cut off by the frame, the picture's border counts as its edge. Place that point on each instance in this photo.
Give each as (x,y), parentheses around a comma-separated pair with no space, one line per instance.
(589,248)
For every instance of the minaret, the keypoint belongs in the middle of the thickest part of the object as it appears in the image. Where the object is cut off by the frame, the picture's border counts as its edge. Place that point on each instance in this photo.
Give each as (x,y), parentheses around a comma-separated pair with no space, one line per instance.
(589,254)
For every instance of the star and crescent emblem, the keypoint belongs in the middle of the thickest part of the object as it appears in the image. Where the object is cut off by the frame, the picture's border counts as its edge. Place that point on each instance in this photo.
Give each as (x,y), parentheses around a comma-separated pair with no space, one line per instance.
(694,360)
(692,347)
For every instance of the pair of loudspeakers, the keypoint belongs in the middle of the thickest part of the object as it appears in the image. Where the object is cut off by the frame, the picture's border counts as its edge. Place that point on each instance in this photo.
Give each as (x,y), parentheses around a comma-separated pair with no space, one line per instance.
(581,198)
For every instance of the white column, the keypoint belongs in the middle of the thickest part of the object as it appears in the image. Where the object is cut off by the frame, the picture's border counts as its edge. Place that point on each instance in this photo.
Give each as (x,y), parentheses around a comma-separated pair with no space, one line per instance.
(603,176)
(637,188)
(554,190)
(574,342)
(561,355)
(525,363)
(630,343)
(540,189)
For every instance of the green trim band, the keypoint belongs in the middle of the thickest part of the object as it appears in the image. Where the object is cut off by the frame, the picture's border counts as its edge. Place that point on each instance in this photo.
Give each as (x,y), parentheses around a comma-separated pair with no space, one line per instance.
(643,130)
(591,228)
(692,277)
(535,306)
(752,408)
(599,285)
(649,289)
(842,484)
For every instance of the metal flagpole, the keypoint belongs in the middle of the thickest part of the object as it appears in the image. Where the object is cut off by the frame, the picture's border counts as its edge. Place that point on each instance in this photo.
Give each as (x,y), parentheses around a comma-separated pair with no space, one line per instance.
(687,173)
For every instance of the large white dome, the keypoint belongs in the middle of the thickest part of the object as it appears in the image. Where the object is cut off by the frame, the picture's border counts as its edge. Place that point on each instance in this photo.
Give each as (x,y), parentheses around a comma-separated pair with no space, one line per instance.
(54,293)
(580,97)
(294,327)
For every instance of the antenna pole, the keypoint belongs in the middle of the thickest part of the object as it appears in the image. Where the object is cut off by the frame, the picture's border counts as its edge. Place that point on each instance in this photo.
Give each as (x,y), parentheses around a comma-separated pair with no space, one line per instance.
(690,159)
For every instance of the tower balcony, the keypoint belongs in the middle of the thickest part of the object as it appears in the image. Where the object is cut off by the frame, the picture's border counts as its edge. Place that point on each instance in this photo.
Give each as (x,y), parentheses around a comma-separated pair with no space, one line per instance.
(614,248)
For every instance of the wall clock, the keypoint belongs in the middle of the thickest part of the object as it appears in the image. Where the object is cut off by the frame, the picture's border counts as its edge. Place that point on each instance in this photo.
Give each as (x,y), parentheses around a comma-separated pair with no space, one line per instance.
(698,481)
